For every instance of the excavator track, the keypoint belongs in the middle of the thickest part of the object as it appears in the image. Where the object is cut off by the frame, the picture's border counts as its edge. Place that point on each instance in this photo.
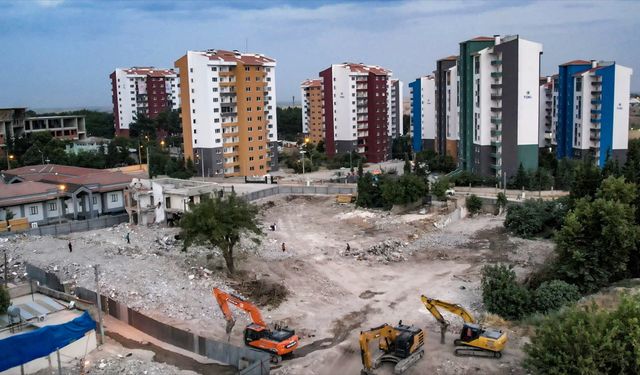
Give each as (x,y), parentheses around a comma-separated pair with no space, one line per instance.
(470,351)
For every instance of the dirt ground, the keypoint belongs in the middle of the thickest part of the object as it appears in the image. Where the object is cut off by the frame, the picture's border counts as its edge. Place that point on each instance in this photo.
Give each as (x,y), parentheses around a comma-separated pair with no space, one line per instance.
(332,294)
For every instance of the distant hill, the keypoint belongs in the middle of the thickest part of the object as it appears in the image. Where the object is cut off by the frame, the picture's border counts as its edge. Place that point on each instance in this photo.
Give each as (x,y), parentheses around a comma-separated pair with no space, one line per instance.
(71,109)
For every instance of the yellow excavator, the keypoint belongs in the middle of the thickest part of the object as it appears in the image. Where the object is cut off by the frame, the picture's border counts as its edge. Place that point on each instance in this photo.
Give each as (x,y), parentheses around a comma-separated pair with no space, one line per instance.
(474,340)
(402,345)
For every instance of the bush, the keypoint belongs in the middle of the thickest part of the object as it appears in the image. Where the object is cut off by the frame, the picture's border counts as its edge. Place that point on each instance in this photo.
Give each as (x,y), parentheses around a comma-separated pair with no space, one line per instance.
(501,202)
(535,217)
(466,178)
(404,190)
(502,294)
(587,340)
(552,295)
(4,299)
(440,187)
(474,204)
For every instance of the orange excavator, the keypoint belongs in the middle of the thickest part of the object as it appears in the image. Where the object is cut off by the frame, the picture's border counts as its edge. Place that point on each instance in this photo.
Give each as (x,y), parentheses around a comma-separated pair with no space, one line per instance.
(280,341)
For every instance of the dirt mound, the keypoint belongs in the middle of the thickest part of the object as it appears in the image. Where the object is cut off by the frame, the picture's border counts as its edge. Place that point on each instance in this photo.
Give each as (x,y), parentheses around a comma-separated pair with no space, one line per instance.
(263,293)
(384,252)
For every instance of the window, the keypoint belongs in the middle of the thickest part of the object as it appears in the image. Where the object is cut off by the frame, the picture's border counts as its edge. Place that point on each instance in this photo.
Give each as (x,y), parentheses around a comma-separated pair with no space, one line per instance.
(250,139)
(53,206)
(246,68)
(578,84)
(215,100)
(215,89)
(248,98)
(114,197)
(195,131)
(249,118)
(214,79)
(217,130)
(194,121)
(247,89)
(191,70)
(33,210)
(250,129)
(250,158)
(247,79)
(213,69)
(251,148)
(94,200)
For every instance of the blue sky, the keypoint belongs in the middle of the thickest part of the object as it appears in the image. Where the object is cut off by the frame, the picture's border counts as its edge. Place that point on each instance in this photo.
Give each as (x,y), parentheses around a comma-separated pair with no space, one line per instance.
(59,53)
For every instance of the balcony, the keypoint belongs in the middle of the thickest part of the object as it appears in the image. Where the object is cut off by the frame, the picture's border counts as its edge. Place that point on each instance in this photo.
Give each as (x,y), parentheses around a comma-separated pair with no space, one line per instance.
(496,155)
(595,120)
(496,133)
(596,92)
(231,90)
(496,86)
(496,120)
(496,143)
(496,74)
(497,167)
(496,109)
(496,97)
(496,62)
(596,111)
(361,94)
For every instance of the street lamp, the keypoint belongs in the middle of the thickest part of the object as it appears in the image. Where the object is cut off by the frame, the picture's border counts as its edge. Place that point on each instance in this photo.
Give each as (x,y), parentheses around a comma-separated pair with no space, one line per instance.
(9,160)
(302,153)
(62,188)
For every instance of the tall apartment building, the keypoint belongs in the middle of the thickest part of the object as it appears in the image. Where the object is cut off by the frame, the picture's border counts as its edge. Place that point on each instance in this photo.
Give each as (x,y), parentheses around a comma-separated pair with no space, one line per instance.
(451,111)
(356,110)
(142,90)
(499,98)
(312,113)
(423,114)
(593,110)
(14,124)
(228,102)
(547,114)
(395,110)
(441,76)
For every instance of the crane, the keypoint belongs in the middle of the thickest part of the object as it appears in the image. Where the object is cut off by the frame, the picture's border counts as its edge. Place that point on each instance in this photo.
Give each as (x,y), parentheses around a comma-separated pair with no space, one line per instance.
(402,345)
(474,340)
(279,341)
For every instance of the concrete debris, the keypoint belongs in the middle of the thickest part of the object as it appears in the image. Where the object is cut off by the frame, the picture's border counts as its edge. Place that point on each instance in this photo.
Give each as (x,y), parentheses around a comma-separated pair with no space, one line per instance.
(384,252)
(132,366)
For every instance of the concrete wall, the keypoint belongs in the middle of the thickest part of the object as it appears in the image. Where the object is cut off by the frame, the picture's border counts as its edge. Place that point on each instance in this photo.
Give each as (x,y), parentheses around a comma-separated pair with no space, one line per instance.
(73,226)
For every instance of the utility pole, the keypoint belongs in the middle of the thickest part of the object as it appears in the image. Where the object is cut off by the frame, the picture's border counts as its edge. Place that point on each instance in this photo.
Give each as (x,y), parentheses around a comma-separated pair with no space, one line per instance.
(98,299)
(5,268)
(202,163)
(504,183)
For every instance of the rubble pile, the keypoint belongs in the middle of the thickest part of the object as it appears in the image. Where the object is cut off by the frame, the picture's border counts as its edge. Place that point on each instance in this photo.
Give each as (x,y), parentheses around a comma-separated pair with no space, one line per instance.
(384,252)
(129,365)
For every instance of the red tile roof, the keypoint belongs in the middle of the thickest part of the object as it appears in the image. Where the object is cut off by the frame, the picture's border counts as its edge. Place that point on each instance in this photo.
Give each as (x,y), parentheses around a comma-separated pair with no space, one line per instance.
(311,83)
(449,58)
(26,192)
(362,68)
(150,71)
(482,39)
(589,70)
(235,56)
(576,62)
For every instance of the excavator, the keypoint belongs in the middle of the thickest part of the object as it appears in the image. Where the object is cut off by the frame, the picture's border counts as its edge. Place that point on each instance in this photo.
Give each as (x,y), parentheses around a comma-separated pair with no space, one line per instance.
(474,340)
(280,341)
(402,345)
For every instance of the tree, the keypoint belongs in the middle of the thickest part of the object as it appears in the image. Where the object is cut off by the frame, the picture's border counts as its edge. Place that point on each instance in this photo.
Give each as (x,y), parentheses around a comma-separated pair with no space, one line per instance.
(369,191)
(320,147)
(611,168)
(586,182)
(406,189)
(502,294)
(521,179)
(565,174)
(595,243)
(406,124)
(407,164)
(587,340)
(400,147)
(554,294)
(535,217)
(360,169)
(289,122)
(440,187)
(143,127)
(474,204)
(5,299)
(501,202)
(616,189)
(220,222)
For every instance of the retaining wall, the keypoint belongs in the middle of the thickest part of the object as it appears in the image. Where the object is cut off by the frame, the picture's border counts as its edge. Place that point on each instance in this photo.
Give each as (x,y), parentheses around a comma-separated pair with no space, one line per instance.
(301,190)
(73,226)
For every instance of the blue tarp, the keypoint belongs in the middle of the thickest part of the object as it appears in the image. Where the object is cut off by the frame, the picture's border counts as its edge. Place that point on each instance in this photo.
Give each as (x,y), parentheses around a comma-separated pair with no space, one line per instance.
(19,349)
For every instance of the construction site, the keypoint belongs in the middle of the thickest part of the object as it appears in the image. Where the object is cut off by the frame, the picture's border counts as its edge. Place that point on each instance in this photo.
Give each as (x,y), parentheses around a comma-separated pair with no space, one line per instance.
(326,270)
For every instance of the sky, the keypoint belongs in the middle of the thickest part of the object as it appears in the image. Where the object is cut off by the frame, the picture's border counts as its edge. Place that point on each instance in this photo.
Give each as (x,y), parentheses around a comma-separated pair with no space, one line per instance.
(59,53)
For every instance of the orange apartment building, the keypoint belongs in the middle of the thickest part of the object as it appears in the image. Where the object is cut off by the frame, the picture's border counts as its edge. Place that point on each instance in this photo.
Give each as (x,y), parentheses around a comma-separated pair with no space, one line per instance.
(228,102)
(312,110)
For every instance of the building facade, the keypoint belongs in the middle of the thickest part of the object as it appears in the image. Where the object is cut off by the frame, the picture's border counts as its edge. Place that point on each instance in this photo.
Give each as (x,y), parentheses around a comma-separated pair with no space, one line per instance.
(15,124)
(451,111)
(499,104)
(395,110)
(547,113)
(423,114)
(312,110)
(145,91)
(601,121)
(229,112)
(565,113)
(356,110)
(442,82)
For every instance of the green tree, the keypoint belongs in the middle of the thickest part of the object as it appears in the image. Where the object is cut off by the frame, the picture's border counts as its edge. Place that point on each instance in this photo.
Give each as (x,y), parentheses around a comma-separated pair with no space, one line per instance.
(521,179)
(143,127)
(407,164)
(220,222)
(169,122)
(360,170)
(535,217)
(595,243)
(474,204)
(611,168)
(554,294)
(369,192)
(502,294)
(320,147)
(587,341)
(400,146)
(565,174)
(406,124)
(440,187)
(586,182)
(406,189)
(501,201)
(5,299)
(541,179)
(289,122)
(616,189)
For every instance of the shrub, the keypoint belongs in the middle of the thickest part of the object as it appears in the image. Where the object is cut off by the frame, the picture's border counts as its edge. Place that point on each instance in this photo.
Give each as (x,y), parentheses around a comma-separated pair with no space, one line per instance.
(403,190)
(501,202)
(439,188)
(474,204)
(586,340)
(4,299)
(502,294)
(535,217)
(552,295)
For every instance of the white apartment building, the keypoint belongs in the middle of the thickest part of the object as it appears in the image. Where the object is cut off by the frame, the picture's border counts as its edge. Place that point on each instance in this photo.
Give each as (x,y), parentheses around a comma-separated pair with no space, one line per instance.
(506,106)
(229,112)
(452,112)
(356,110)
(395,110)
(423,113)
(142,90)
(601,114)
(546,115)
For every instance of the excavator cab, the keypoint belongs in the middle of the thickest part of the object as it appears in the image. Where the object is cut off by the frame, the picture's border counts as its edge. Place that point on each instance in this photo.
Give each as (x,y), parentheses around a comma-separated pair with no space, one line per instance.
(470,332)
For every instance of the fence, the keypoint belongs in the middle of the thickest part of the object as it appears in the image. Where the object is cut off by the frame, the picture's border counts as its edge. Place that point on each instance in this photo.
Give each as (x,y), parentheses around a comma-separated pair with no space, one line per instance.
(48,279)
(247,360)
(301,190)
(74,226)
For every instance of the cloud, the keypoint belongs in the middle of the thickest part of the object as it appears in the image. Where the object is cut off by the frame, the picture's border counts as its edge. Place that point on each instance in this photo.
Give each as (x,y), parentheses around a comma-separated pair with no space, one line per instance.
(50,3)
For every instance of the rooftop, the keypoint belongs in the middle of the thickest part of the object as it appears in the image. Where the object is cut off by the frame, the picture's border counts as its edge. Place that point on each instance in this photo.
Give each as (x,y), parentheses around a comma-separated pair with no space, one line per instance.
(482,39)
(576,62)
(236,56)
(311,83)
(449,58)
(150,71)
(362,68)
(26,192)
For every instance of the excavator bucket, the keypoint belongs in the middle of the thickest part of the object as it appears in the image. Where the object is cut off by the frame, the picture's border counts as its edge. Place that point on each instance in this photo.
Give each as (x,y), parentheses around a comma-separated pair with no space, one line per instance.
(230,324)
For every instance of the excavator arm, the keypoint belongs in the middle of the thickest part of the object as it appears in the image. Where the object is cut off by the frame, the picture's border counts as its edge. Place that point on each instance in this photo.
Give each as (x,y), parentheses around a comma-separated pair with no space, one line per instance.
(432,305)
(384,331)
(224,298)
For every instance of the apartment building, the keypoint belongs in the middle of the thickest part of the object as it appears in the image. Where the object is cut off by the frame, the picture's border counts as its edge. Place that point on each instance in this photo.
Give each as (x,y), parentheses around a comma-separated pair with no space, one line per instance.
(142,90)
(499,104)
(395,110)
(228,102)
(356,108)
(547,113)
(312,110)
(451,111)
(423,114)
(601,122)
(14,123)
(565,112)
(442,81)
